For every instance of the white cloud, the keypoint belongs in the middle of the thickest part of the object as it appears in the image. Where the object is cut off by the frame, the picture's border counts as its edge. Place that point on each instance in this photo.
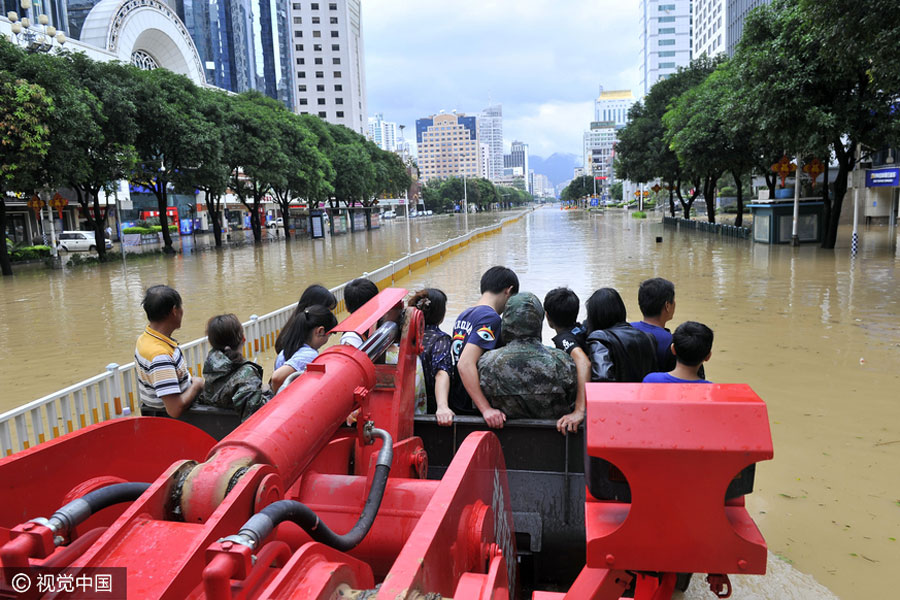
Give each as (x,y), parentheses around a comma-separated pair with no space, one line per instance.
(543,60)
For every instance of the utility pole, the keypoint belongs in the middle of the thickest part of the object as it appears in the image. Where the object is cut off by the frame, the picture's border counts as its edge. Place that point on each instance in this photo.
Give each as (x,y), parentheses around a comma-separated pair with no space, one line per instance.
(795,238)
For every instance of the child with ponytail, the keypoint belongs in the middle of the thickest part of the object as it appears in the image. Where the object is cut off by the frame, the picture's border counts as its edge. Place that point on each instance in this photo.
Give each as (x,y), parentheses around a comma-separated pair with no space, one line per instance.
(437,363)
(303,336)
(230,380)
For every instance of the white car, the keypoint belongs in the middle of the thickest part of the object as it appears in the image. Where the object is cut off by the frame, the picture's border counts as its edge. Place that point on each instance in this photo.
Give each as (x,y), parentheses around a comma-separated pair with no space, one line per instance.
(279,222)
(388,214)
(77,241)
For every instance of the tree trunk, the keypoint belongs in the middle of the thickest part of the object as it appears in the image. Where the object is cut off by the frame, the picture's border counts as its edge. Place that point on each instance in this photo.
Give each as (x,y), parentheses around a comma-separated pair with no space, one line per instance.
(5,265)
(215,210)
(671,185)
(254,219)
(846,161)
(709,195)
(739,219)
(162,203)
(99,233)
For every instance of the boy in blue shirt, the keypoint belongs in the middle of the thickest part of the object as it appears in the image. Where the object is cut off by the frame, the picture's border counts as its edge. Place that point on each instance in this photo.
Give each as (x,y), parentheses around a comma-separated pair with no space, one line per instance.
(692,346)
(656,297)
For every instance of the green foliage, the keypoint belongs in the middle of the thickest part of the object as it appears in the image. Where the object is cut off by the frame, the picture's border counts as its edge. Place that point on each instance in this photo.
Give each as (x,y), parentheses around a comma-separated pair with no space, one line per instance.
(30,253)
(615,191)
(578,188)
(639,214)
(148,230)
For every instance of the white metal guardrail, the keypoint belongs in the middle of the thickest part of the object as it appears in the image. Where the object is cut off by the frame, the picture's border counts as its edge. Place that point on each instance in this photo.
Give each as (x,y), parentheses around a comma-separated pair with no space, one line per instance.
(113,393)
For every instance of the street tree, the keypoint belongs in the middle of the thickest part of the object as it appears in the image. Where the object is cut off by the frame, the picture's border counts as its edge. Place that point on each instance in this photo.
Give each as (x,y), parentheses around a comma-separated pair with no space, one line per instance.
(578,188)
(211,174)
(256,157)
(172,133)
(305,170)
(819,74)
(25,109)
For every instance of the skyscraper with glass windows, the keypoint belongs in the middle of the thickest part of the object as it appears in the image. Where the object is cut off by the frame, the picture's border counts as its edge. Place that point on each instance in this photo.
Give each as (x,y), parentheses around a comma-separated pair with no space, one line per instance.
(666,31)
(490,131)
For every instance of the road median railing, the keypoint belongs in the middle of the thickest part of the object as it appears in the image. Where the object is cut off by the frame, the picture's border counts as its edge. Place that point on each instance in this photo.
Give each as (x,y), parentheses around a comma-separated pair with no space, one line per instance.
(721,229)
(113,394)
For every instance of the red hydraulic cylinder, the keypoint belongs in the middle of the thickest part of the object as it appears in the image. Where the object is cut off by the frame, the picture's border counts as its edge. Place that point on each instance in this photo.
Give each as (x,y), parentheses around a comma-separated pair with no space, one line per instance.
(286,433)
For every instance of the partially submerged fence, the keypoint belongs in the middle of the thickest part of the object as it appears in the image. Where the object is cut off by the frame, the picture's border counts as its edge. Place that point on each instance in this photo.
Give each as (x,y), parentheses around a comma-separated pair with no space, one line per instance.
(724,230)
(113,393)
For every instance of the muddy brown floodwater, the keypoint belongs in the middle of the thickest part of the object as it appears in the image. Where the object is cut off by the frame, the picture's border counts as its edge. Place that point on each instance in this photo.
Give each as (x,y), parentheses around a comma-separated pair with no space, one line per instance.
(816,334)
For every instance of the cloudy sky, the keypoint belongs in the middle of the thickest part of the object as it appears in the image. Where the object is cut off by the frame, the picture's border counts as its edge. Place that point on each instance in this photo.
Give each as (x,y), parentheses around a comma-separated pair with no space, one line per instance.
(543,60)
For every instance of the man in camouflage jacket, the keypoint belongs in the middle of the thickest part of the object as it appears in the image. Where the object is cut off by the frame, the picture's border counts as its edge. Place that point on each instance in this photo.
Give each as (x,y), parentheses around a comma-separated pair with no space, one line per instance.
(524,378)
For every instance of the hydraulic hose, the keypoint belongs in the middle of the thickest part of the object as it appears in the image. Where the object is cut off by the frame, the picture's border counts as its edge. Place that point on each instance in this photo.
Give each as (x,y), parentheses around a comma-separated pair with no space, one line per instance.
(64,520)
(261,525)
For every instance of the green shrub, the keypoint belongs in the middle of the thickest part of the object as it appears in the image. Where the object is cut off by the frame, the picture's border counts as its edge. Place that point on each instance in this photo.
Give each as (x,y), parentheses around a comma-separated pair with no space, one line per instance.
(29,253)
(140,230)
(639,214)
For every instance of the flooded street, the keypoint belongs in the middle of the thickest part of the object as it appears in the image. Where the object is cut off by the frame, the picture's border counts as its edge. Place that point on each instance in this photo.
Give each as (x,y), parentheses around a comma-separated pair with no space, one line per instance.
(815,334)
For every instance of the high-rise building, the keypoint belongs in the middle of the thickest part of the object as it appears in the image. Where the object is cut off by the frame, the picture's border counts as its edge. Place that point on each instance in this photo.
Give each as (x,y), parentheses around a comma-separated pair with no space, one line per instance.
(613,106)
(490,131)
(709,27)
(665,39)
(383,133)
(541,186)
(485,156)
(328,71)
(737,11)
(518,157)
(448,146)
(599,148)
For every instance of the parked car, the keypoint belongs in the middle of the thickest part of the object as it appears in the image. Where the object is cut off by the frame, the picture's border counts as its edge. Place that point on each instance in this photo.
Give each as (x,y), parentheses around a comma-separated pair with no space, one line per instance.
(428,213)
(388,214)
(279,222)
(77,241)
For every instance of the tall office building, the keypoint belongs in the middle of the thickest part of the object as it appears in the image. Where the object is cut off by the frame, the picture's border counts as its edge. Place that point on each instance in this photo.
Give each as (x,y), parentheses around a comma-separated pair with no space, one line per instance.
(490,130)
(383,133)
(327,62)
(518,157)
(709,27)
(448,146)
(665,39)
(737,11)
(599,151)
(613,106)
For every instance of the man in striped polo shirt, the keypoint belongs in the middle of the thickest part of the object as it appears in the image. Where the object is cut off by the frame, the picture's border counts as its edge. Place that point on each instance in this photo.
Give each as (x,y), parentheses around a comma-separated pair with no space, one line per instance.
(163,377)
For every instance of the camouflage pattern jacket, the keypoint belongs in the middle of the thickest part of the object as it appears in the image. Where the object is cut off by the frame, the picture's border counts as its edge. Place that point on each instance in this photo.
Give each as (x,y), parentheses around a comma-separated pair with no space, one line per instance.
(232,385)
(527,380)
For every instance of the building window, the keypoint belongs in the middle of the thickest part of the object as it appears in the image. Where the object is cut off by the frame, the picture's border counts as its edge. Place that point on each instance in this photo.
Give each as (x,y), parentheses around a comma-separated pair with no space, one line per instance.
(664,30)
(335,34)
(335,61)
(336,47)
(298,47)
(338,87)
(338,100)
(320,101)
(296,6)
(667,65)
(337,74)
(662,7)
(340,114)
(318,61)
(314,6)
(302,101)
(317,34)
(332,6)
(317,47)
(333,20)
(301,74)
(666,42)
(315,20)
(320,87)
(298,20)
(298,34)
(322,114)
(666,19)
(667,53)
(319,74)
(301,61)
(301,88)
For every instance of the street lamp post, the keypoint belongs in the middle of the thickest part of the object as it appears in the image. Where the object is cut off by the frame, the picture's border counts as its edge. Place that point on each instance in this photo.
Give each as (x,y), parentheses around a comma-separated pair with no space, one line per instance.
(38,37)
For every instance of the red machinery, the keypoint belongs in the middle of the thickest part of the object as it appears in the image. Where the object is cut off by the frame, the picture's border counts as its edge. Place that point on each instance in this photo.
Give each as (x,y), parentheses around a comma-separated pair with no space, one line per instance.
(256,514)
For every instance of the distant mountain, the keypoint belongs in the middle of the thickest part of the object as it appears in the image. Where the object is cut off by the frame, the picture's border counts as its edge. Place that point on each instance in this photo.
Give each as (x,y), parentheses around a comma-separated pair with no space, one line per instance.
(557,168)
